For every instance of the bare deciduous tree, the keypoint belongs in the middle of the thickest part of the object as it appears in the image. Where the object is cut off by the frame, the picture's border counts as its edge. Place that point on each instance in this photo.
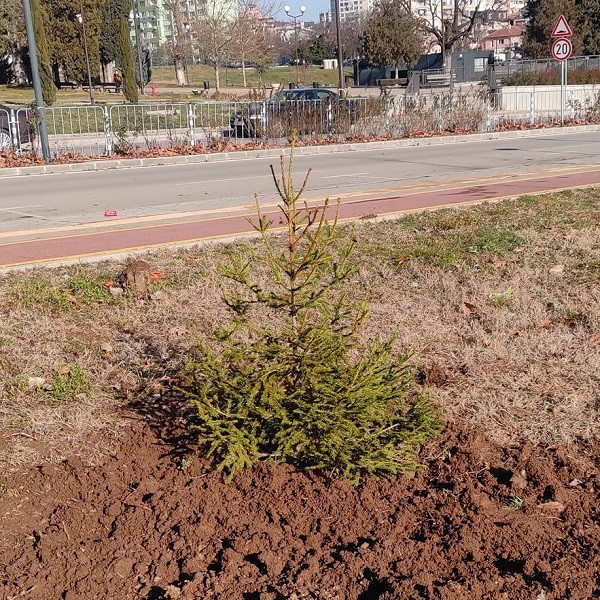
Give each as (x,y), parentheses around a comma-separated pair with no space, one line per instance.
(178,44)
(252,41)
(215,28)
(458,21)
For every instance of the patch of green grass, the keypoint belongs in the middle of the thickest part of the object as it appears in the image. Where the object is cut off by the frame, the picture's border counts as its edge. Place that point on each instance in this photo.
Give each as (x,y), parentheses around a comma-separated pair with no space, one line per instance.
(68,382)
(452,249)
(197,74)
(88,288)
(494,240)
(500,299)
(39,293)
(13,386)
(436,252)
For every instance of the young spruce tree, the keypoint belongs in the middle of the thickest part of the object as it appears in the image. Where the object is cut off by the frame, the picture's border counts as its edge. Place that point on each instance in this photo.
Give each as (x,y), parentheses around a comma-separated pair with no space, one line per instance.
(305,390)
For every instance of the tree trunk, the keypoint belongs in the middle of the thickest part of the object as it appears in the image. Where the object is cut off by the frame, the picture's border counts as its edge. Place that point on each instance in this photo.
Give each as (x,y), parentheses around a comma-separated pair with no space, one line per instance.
(217,78)
(180,73)
(244,72)
(18,67)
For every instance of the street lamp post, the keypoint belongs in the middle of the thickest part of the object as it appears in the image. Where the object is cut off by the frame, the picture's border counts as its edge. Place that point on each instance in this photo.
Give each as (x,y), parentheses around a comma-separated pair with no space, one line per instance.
(136,26)
(81,18)
(338,37)
(295,17)
(189,48)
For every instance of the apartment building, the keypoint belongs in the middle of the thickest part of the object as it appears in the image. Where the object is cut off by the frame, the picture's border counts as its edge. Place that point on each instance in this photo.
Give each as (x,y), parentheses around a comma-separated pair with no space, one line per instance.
(350,9)
(156,19)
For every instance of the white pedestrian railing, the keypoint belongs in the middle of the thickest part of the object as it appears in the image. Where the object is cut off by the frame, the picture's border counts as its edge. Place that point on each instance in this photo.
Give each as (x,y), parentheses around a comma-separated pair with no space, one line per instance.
(127,129)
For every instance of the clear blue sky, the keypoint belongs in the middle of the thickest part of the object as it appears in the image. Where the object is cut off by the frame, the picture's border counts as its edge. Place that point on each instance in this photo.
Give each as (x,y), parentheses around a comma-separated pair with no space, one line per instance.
(313,8)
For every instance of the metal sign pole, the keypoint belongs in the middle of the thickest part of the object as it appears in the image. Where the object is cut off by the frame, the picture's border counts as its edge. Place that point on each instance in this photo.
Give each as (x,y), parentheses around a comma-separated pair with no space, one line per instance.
(562,92)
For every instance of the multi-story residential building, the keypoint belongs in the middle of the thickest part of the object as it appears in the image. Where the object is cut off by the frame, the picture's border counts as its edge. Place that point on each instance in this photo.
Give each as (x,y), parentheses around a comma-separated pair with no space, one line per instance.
(156,19)
(152,22)
(350,9)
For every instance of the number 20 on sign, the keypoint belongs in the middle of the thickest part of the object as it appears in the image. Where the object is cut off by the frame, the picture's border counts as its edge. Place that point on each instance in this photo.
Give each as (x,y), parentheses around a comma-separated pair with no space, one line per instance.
(562,48)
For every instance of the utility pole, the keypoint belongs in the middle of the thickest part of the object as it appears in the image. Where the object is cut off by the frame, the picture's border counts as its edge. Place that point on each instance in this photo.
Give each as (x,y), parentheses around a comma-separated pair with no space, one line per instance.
(340,55)
(37,84)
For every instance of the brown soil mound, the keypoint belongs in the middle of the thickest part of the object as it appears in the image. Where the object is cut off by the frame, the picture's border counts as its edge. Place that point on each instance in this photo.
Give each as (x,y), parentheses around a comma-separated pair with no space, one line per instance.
(150,522)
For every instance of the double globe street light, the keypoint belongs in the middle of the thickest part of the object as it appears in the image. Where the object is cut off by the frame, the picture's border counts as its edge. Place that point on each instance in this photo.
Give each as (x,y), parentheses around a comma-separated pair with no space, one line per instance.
(287,9)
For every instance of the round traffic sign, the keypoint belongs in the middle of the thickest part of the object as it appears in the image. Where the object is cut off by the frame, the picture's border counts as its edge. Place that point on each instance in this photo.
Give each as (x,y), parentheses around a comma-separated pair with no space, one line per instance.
(562,48)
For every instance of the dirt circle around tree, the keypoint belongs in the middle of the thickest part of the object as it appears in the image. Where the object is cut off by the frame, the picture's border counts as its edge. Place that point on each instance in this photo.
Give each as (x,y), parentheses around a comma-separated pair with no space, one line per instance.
(152,521)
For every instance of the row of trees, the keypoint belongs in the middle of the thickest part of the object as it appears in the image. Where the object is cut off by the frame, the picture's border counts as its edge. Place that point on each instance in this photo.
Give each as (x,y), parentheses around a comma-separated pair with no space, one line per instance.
(390,34)
(61,55)
(237,32)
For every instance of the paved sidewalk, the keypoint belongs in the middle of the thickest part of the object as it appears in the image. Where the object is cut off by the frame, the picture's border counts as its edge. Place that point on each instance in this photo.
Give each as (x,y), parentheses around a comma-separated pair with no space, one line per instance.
(124,163)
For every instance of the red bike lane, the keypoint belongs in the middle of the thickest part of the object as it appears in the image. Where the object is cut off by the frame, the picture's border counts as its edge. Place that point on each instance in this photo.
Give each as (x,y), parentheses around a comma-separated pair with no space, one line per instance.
(79,246)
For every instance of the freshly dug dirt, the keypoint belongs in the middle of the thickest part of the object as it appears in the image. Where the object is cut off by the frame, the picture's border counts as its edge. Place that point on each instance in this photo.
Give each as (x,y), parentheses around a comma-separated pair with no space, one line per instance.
(150,521)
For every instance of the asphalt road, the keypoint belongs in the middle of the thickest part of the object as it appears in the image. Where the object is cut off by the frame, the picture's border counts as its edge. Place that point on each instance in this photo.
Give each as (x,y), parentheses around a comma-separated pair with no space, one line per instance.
(49,201)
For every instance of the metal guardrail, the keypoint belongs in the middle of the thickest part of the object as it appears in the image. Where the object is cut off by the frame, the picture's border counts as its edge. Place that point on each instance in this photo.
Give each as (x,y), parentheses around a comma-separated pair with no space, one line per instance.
(127,129)
(76,130)
(150,126)
(6,135)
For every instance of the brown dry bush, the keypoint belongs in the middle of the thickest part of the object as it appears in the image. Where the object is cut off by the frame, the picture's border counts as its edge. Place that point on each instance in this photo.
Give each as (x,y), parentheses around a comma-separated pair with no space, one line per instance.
(500,303)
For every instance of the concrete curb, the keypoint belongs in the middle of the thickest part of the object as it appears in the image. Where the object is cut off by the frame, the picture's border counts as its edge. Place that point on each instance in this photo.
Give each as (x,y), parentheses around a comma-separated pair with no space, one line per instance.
(129,163)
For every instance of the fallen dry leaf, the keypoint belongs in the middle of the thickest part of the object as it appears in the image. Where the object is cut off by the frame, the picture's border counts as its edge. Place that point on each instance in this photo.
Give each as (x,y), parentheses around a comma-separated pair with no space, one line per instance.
(519,333)
(469,308)
(107,284)
(157,276)
(595,338)
(546,323)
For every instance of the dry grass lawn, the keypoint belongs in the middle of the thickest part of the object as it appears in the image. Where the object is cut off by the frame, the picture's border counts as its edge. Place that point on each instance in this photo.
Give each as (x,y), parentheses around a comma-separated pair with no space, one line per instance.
(500,302)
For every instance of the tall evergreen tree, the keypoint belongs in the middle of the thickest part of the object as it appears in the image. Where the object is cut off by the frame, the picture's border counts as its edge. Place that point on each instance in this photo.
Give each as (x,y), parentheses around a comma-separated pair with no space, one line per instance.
(591,42)
(393,35)
(125,58)
(111,13)
(66,45)
(13,38)
(48,87)
(542,15)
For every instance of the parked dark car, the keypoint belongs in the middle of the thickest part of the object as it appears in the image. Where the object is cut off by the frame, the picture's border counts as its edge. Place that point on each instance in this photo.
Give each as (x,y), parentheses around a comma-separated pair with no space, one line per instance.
(25,128)
(306,110)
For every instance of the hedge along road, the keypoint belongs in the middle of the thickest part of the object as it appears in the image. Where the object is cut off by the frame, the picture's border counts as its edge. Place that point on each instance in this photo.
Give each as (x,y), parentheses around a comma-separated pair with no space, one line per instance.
(60,217)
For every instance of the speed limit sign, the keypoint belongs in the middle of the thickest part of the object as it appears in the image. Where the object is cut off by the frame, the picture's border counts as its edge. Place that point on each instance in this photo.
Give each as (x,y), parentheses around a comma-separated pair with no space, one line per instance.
(562,48)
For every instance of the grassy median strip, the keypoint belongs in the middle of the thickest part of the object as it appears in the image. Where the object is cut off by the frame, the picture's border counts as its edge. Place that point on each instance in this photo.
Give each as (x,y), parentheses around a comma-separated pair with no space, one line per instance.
(498,303)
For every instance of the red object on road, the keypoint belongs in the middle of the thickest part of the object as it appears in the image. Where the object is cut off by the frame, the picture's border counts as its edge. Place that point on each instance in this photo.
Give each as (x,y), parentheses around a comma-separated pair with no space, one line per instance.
(110,213)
